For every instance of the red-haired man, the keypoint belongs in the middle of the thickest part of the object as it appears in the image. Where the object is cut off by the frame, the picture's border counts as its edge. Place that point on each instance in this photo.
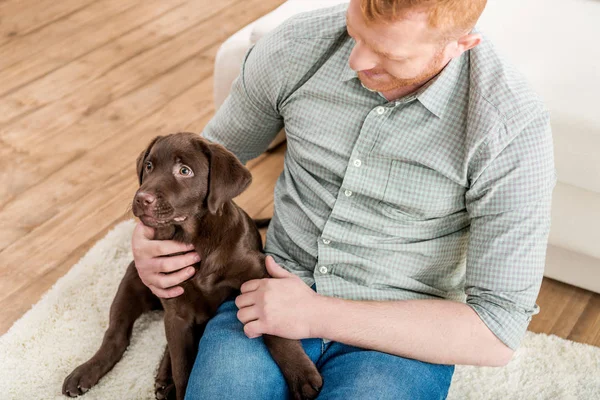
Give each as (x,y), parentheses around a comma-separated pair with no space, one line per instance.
(411,218)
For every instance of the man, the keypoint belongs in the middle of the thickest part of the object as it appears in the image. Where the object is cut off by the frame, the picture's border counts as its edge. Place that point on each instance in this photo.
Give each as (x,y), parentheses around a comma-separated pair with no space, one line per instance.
(411,218)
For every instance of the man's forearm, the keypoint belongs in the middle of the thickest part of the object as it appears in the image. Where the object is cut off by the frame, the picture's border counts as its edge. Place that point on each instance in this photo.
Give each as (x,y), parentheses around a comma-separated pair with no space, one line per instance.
(434,331)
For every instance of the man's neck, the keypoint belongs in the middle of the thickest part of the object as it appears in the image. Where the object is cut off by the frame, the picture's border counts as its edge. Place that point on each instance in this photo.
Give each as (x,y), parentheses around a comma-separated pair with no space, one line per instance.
(396,94)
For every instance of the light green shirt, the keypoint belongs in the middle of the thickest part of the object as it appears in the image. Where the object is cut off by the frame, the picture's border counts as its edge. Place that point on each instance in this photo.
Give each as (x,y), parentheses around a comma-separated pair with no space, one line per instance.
(443,194)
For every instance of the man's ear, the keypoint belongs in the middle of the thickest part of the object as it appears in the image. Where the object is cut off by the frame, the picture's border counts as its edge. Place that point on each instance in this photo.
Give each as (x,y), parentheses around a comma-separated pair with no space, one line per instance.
(468,41)
(227,177)
(142,157)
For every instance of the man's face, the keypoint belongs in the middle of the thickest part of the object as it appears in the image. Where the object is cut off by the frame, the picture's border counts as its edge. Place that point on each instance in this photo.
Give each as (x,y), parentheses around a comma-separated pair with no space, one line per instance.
(397,54)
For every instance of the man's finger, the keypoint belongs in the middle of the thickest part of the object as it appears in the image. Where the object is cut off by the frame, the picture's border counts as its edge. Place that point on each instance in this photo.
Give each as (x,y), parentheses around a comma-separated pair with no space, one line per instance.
(166,293)
(250,285)
(245,300)
(164,281)
(247,314)
(253,329)
(146,231)
(274,269)
(166,247)
(175,263)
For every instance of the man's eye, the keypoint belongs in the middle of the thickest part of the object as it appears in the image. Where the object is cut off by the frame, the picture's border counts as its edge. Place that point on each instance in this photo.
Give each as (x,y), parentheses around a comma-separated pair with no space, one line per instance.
(148,165)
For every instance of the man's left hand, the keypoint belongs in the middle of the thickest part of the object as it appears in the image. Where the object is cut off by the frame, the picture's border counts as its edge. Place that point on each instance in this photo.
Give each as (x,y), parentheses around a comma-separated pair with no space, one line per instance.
(282,305)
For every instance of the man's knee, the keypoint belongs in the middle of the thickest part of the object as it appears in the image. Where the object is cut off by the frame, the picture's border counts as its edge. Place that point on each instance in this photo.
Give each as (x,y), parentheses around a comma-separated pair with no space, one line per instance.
(230,365)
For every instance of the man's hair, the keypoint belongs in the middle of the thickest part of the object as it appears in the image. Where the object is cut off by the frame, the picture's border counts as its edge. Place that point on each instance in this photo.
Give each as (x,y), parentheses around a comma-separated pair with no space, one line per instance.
(452,17)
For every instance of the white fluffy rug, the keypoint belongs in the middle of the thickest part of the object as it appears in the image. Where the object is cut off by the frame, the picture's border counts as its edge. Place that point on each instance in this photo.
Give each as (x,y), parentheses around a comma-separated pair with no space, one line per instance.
(66,326)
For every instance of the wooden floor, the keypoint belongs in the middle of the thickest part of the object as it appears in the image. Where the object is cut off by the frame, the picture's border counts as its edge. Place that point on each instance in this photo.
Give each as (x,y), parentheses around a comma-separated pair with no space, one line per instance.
(84,86)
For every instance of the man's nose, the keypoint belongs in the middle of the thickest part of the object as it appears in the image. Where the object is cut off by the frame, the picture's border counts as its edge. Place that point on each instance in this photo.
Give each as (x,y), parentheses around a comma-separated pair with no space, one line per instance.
(361,58)
(144,199)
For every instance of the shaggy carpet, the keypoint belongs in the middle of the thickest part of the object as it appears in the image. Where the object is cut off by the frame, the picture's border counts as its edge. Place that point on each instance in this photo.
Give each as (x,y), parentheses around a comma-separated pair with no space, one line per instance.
(66,326)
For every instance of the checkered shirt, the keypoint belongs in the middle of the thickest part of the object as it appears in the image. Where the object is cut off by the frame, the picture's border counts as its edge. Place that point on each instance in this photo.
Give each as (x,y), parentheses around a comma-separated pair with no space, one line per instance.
(442,194)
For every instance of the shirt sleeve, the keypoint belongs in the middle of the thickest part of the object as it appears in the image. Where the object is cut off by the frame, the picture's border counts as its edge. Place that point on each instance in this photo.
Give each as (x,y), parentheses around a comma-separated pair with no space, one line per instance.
(249,118)
(509,204)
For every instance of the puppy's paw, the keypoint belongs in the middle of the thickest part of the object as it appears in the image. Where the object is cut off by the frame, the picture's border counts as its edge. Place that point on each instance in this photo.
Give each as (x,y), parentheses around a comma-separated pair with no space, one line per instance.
(164,390)
(305,383)
(80,380)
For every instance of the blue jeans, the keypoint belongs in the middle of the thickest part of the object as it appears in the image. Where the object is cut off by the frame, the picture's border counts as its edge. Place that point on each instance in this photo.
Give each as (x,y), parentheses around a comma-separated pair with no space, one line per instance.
(229,365)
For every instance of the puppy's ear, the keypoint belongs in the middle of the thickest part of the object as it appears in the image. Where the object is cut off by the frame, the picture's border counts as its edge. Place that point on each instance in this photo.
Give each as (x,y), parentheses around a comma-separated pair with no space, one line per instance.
(142,157)
(227,177)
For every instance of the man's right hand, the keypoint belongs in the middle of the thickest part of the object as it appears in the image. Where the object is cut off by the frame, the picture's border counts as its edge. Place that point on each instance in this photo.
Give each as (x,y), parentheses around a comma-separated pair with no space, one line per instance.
(157,272)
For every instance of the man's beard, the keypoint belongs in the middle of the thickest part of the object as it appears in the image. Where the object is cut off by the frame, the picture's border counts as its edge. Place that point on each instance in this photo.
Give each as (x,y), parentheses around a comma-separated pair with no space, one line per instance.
(391,82)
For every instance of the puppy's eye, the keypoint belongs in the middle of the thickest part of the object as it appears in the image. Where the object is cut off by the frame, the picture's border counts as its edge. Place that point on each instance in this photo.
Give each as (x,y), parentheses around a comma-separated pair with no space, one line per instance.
(185,171)
(148,165)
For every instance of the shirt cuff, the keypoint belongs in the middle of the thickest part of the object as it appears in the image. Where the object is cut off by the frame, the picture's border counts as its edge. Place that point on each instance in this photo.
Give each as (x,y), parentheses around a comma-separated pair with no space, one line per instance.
(504,318)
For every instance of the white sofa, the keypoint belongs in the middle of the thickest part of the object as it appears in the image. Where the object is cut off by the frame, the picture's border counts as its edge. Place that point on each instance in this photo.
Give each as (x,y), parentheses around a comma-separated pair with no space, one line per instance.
(554,43)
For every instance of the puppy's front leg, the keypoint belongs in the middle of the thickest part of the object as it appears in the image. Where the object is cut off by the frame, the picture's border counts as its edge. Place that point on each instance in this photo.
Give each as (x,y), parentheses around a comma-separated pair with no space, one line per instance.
(182,340)
(164,388)
(303,379)
(133,298)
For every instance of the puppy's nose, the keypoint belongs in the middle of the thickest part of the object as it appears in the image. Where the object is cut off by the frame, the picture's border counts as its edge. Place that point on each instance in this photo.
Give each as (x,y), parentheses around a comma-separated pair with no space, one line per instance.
(144,199)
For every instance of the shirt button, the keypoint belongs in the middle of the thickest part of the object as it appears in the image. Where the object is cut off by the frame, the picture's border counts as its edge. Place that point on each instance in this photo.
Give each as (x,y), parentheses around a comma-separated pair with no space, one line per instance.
(357,163)
(323,269)
(380,110)
(326,241)
(348,193)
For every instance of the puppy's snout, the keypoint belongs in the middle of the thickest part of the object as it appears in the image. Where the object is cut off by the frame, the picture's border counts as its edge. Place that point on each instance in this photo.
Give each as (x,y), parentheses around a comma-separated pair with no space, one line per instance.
(144,199)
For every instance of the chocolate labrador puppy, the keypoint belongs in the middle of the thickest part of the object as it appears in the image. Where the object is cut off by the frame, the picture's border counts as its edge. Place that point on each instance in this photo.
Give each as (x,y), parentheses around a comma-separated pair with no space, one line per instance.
(186,189)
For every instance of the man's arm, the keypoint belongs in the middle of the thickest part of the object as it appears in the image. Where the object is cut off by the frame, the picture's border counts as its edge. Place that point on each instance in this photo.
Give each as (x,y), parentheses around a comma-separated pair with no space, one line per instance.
(434,331)
(249,118)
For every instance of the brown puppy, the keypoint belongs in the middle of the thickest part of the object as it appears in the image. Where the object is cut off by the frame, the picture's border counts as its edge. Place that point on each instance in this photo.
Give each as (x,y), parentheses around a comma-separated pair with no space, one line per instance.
(186,189)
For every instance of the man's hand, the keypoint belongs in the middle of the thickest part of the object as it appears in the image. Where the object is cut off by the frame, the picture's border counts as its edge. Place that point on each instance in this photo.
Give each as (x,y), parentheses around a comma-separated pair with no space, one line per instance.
(155,271)
(282,305)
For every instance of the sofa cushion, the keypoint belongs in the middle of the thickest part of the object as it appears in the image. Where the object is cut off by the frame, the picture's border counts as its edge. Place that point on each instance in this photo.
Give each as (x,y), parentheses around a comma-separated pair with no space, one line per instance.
(555,45)
(576,220)
(286,10)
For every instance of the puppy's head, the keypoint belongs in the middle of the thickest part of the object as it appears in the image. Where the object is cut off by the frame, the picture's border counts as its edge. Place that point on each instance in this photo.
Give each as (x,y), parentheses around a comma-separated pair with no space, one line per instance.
(182,176)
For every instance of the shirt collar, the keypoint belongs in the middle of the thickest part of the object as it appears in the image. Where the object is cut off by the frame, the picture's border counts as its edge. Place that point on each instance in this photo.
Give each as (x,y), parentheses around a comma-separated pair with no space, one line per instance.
(435,94)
